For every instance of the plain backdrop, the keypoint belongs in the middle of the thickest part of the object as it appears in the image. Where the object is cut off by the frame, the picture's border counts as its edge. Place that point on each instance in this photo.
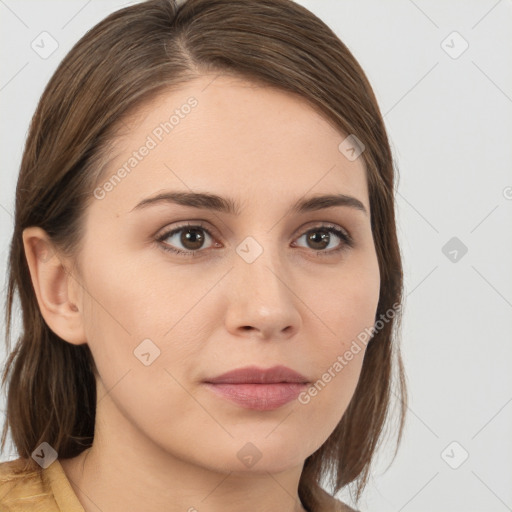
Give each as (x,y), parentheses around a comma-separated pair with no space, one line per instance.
(442,73)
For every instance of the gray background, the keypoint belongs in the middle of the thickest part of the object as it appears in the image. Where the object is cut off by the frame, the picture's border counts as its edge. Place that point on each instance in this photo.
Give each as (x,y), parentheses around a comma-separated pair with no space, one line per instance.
(449,117)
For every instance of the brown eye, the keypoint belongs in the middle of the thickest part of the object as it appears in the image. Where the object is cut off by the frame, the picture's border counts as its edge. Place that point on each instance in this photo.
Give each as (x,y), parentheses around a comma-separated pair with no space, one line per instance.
(191,238)
(320,238)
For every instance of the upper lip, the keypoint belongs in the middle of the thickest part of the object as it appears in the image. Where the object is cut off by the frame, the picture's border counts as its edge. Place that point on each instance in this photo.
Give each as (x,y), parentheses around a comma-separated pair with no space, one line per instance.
(255,375)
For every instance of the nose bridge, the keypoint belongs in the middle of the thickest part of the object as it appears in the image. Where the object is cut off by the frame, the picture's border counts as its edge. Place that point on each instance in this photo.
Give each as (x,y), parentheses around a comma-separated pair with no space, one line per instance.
(258,264)
(262,296)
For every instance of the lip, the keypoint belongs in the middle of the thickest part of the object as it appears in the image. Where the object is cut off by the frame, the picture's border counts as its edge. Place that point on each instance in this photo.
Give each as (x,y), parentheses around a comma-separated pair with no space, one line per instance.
(259,388)
(255,375)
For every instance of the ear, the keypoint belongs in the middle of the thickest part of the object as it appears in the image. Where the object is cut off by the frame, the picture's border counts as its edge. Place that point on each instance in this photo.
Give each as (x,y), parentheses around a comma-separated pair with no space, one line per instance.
(57,292)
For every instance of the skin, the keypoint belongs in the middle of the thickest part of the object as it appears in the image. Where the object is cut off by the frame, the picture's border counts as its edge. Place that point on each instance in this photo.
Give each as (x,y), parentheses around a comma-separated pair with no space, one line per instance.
(162,440)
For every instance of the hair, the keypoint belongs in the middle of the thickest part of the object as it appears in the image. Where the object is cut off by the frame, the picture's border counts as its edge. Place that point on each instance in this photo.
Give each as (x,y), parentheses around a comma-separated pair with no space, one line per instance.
(125,61)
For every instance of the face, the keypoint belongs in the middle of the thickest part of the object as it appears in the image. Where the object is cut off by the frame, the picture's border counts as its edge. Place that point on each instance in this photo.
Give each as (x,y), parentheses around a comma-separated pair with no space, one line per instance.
(265,286)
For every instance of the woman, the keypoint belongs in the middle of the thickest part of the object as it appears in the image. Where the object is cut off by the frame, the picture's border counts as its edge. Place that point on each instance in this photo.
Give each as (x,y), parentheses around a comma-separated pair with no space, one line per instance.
(206,256)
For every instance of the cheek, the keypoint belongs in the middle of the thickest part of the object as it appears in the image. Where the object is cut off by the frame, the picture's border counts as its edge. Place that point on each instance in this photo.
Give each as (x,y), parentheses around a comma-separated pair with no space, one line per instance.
(347,306)
(130,299)
(135,314)
(347,303)
(131,321)
(338,364)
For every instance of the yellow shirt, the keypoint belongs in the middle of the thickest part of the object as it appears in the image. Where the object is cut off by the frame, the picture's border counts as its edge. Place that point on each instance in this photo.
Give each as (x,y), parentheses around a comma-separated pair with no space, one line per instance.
(50,489)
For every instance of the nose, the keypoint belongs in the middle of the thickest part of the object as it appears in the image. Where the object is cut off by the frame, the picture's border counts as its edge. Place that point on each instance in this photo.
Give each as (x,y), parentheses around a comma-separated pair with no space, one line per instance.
(262,300)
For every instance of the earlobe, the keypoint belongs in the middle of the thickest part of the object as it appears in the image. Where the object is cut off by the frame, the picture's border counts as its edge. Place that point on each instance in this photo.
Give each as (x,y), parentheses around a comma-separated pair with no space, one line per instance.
(53,286)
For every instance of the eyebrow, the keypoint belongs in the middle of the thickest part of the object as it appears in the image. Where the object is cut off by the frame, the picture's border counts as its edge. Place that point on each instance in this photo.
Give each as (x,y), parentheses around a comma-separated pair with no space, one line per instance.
(217,203)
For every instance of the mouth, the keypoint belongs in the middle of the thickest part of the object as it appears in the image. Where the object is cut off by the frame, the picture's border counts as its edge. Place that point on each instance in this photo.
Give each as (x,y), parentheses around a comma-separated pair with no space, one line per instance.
(259,389)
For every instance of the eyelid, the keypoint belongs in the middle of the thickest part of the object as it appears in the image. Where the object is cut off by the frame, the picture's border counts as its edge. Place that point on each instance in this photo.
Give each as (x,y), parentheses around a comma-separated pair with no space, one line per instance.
(319,224)
(213,231)
(165,232)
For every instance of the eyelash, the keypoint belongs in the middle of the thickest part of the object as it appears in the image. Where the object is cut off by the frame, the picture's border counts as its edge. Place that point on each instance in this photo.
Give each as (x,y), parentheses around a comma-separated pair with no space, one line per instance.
(346,239)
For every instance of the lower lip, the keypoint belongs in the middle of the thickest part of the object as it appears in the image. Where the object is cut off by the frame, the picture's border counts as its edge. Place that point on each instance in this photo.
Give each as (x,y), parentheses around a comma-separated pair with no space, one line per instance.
(260,397)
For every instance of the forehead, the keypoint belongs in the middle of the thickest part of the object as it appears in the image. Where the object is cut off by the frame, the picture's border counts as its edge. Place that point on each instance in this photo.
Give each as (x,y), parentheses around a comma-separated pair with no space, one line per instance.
(229,136)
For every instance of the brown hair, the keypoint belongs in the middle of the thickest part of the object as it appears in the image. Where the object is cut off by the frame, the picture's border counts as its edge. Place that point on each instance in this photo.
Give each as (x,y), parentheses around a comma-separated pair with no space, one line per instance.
(121,63)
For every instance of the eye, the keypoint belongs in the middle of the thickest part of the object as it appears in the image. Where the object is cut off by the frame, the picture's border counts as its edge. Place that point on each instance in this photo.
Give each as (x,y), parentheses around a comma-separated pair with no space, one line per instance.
(320,237)
(192,238)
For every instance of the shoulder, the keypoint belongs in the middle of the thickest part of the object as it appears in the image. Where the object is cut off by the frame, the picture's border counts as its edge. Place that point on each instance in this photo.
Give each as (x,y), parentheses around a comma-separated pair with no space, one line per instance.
(22,487)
